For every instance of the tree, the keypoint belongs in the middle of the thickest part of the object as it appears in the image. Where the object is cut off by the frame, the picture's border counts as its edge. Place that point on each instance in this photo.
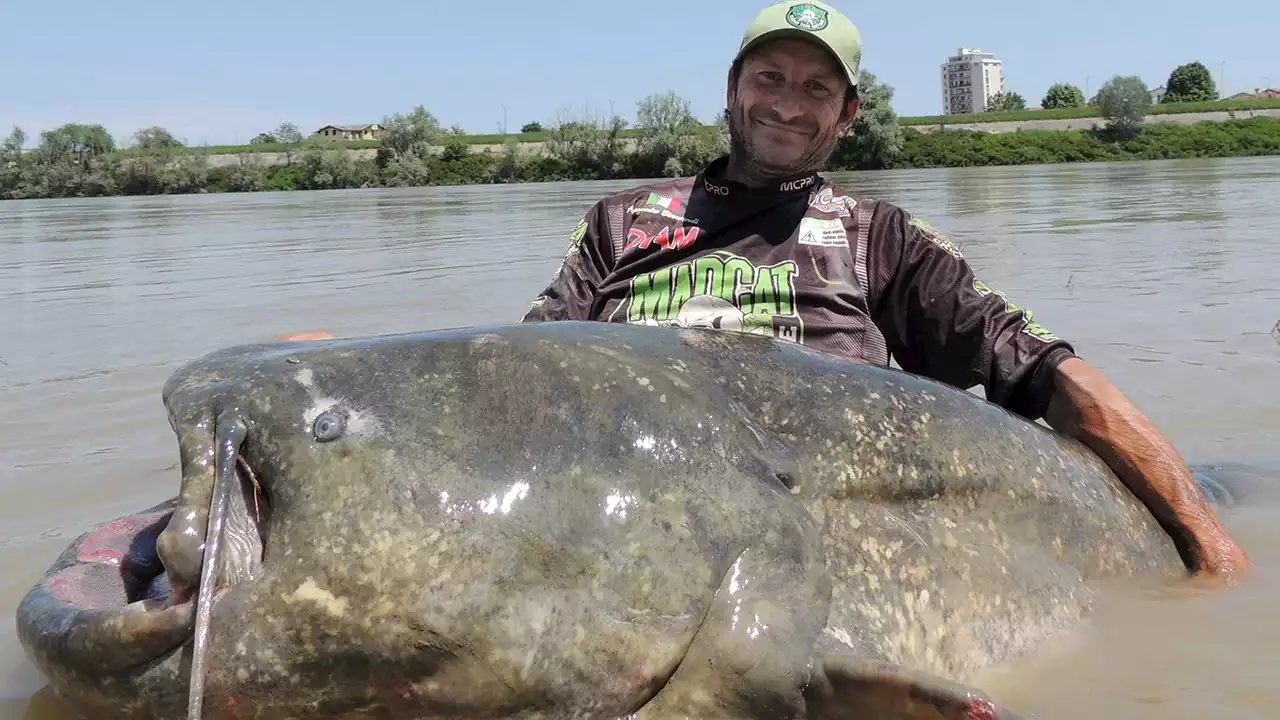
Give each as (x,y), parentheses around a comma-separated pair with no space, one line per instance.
(589,148)
(288,134)
(1002,102)
(1124,101)
(1190,83)
(263,139)
(531,127)
(76,142)
(155,138)
(875,139)
(15,141)
(11,165)
(1062,95)
(664,113)
(674,143)
(418,130)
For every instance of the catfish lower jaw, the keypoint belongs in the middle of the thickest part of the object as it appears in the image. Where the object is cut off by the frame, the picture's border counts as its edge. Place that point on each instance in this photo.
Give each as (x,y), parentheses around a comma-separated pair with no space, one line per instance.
(109,608)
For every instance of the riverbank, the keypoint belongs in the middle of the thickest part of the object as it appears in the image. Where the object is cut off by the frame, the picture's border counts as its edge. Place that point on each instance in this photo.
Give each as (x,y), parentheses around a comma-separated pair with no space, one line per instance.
(1009,121)
(230,156)
(1087,122)
(1162,141)
(602,156)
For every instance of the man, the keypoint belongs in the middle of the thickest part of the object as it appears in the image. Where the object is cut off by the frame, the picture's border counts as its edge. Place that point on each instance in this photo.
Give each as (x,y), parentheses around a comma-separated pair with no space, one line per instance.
(758,242)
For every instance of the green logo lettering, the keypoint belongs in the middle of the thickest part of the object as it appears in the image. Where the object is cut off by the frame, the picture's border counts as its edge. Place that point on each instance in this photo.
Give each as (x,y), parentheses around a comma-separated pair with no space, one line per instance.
(722,291)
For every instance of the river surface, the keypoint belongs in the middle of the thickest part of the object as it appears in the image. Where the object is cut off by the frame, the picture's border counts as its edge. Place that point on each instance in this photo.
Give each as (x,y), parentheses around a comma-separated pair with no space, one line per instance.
(1164,274)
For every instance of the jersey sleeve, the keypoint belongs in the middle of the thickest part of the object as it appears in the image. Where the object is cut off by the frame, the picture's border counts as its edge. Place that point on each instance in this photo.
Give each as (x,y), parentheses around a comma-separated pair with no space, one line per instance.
(940,321)
(573,291)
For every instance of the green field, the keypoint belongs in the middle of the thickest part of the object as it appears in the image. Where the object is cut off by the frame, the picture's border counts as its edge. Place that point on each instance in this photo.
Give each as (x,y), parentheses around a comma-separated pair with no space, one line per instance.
(1084,112)
(263,147)
(1012,116)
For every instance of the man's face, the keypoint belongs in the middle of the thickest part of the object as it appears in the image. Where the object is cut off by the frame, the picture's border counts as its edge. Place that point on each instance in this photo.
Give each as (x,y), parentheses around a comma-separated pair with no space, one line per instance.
(786,107)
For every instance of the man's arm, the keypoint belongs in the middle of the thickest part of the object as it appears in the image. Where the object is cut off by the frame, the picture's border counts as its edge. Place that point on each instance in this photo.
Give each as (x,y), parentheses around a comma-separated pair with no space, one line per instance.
(1088,407)
(573,291)
(942,322)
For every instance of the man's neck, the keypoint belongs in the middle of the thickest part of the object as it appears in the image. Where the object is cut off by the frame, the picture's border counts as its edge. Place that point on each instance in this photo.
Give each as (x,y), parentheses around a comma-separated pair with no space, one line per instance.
(749,175)
(744,174)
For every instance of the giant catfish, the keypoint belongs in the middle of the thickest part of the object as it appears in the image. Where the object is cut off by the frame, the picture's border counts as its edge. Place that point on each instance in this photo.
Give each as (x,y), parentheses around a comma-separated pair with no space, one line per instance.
(583,520)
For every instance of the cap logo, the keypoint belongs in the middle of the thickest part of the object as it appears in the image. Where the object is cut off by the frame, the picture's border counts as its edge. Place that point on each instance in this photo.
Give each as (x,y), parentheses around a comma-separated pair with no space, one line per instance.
(807,16)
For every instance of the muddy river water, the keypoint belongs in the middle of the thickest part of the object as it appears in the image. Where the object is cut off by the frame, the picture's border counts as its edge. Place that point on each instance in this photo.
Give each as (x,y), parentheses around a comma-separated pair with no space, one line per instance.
(1164,274)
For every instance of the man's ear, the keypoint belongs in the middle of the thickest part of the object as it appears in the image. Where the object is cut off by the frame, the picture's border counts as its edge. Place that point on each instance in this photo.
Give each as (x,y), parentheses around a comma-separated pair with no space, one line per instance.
(849,115)
(731,87)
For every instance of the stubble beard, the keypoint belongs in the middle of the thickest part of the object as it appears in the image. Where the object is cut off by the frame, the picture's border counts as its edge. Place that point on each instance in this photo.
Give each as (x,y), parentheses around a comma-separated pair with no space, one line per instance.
(756,171)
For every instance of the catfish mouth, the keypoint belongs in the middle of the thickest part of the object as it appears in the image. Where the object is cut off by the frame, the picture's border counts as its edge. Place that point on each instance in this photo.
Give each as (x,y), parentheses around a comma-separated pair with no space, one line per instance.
(109,608)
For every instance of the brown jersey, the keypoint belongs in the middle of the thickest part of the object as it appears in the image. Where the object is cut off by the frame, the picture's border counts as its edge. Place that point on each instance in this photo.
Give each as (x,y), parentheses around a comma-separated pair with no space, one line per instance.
(803,261)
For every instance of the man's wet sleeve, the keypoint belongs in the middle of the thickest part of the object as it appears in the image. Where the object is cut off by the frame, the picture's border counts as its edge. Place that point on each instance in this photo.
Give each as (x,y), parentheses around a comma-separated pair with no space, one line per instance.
(942,322)
(572,292)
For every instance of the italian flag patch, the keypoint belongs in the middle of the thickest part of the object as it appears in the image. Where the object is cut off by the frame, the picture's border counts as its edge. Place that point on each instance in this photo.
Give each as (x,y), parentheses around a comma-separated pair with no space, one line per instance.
(671,203)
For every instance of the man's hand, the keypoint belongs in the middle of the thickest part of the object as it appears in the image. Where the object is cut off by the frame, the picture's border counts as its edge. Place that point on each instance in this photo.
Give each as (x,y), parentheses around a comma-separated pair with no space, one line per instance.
(1091,409)
(317,335)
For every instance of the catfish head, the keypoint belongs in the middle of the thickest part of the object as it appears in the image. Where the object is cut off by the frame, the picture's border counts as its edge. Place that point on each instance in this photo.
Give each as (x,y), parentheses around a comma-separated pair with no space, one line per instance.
(280,546)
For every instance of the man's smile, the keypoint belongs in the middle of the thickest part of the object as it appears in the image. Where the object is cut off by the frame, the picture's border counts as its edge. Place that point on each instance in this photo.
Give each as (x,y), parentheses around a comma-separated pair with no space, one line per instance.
(776,127)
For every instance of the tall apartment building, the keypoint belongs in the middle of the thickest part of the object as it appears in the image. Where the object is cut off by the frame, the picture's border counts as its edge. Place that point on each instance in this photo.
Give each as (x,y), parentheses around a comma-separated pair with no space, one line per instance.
(969,79)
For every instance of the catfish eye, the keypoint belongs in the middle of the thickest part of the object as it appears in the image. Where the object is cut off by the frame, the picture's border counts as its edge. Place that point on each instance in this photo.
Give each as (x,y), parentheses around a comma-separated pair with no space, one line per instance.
(329,426)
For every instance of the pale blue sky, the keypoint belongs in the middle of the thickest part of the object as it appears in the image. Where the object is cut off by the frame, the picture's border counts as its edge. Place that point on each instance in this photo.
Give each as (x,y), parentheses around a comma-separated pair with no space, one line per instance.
(220,72)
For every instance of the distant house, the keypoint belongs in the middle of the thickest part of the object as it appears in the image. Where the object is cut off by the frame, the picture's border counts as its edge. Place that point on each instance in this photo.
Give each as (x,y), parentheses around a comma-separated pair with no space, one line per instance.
(351,132)
(1157,95)
(1258,94)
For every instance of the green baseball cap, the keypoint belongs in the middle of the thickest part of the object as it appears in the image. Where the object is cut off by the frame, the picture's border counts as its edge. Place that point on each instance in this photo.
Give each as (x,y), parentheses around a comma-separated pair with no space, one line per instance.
(814,21)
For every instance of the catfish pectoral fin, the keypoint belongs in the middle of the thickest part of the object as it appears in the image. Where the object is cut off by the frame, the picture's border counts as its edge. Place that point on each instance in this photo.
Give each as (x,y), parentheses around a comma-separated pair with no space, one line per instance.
(845,687)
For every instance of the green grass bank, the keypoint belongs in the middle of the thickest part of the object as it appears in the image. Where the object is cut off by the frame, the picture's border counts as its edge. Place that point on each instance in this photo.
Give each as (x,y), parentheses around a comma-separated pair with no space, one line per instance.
(597,157)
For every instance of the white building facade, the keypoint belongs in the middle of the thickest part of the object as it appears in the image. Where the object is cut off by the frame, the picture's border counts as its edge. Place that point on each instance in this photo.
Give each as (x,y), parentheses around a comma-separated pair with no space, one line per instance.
(969,79)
